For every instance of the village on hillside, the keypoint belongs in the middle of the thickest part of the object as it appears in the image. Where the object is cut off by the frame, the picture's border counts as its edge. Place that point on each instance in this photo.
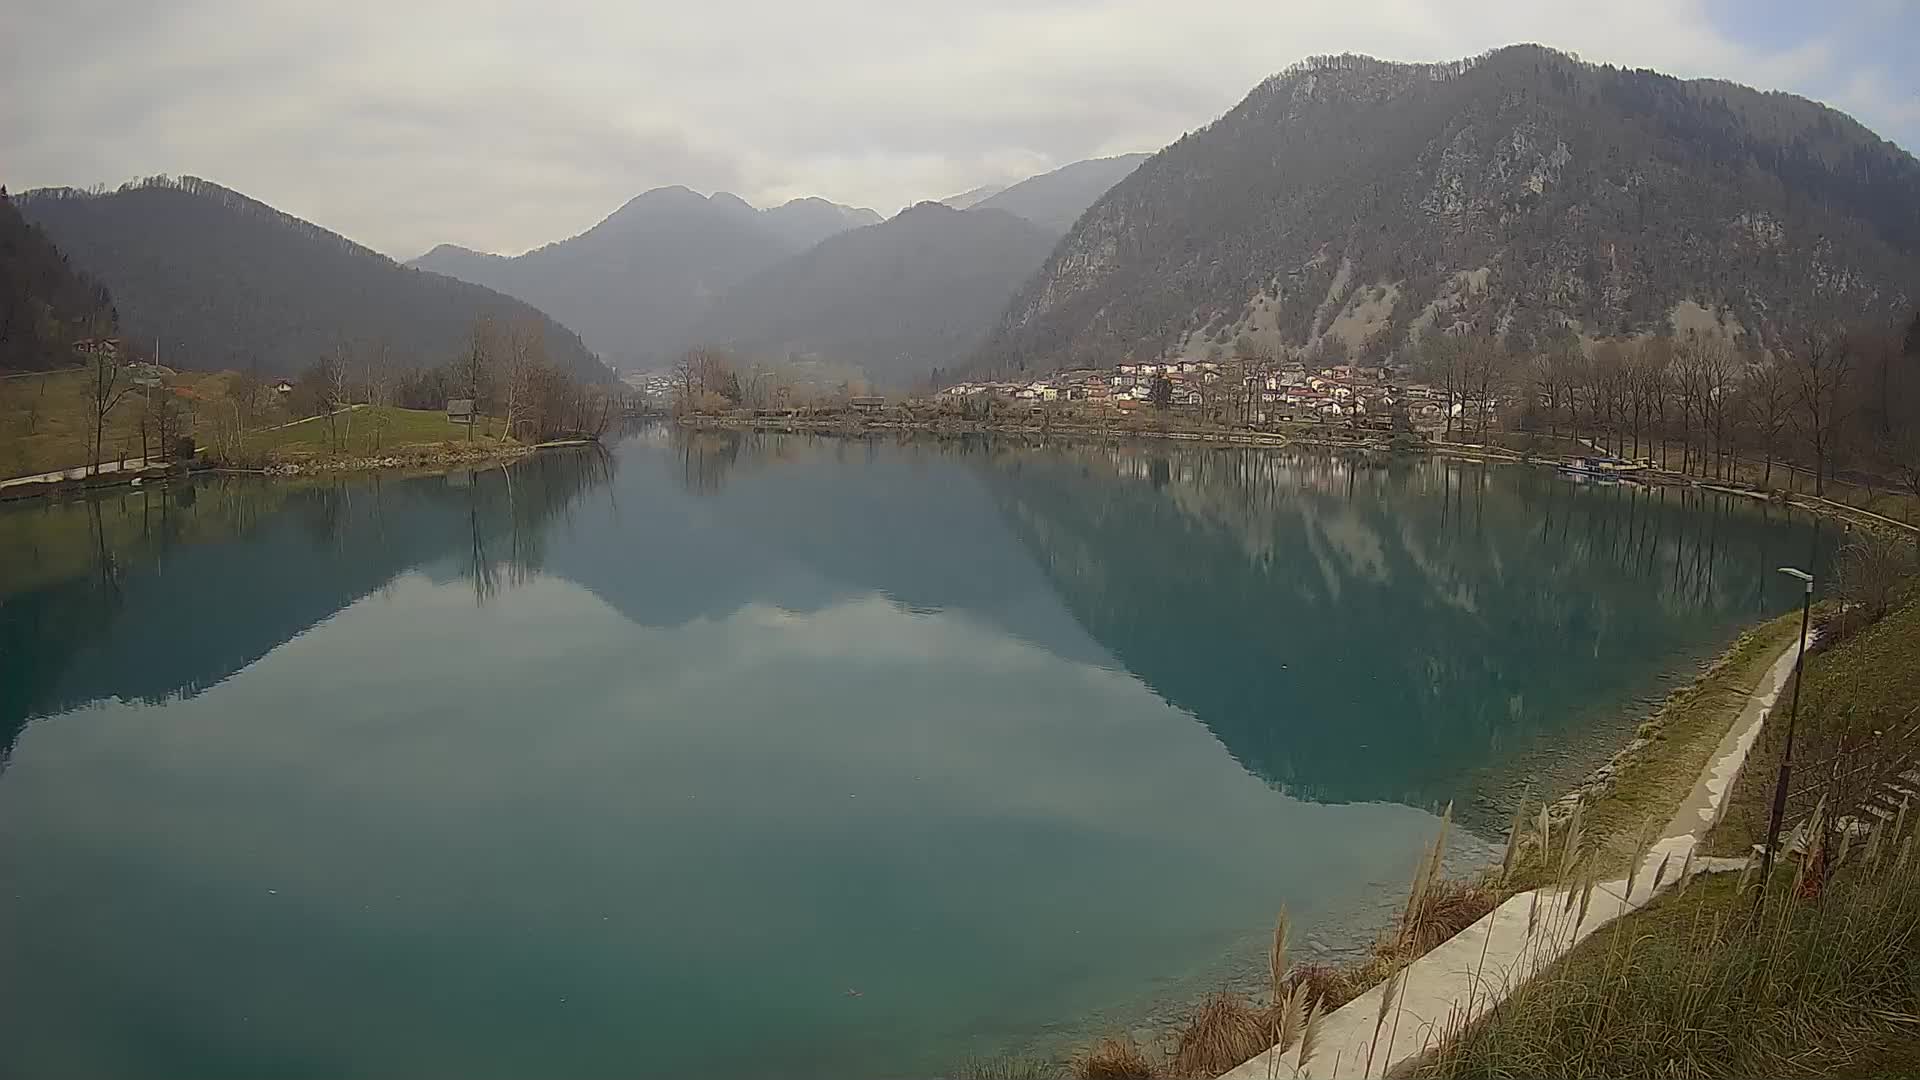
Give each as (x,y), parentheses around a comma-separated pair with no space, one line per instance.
(1251,392)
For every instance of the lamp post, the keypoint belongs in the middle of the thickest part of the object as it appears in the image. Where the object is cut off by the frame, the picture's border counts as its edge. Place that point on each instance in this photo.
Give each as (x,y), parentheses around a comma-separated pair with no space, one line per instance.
(1786,755)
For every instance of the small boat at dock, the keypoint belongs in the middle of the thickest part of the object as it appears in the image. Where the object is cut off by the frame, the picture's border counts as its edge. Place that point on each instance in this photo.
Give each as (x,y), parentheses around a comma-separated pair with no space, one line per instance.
(1602,467)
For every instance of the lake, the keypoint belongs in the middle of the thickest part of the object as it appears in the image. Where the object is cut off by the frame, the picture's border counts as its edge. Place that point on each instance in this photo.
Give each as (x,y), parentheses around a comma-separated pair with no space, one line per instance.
(740,756)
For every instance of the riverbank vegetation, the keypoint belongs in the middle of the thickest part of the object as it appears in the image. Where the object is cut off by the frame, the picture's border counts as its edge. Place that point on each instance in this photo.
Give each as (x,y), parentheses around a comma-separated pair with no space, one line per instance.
(355,405)
(46,419)
(1815,972)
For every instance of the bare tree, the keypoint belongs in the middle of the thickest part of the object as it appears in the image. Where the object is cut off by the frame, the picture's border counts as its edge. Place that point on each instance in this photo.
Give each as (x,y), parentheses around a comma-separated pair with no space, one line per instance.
(1768,403)
(525,360)
(1442,360)
(1820,369)
(107,384)
(377,365)
(335,395)
(1484,367)
(1545,372)
(1869,570)
(474,370)
(1608,385)
(245,394)
(1717,372)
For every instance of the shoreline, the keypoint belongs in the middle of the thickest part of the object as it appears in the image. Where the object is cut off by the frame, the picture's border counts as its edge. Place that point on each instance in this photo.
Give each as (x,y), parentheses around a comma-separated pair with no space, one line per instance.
(1375,442)
(1469,973)
(859,427)
(1685,805)
(421,459)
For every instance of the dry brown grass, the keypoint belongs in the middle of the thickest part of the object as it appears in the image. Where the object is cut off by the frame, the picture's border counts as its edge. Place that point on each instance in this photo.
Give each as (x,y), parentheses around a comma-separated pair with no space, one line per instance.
(1333,986)
(1446,908)
(1223,1032)
(1115,1059)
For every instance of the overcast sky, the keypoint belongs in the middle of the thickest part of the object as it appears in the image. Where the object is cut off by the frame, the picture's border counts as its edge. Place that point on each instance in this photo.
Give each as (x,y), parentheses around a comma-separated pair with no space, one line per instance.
(502,126)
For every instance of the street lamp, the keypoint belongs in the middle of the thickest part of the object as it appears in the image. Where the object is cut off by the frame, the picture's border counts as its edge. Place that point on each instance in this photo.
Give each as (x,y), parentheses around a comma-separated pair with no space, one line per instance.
(1786,756)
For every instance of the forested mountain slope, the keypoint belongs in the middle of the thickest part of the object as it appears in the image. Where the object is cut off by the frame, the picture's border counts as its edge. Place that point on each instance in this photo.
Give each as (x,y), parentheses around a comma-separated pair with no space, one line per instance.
(45,304)
(1518,192)
(225,281)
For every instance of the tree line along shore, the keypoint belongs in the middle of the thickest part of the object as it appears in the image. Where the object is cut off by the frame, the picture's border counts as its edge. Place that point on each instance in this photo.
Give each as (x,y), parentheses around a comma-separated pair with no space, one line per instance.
(117,415)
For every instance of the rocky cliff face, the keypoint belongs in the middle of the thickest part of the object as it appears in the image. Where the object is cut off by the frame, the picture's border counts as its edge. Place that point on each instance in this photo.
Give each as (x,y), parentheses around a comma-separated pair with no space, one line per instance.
(1369,203)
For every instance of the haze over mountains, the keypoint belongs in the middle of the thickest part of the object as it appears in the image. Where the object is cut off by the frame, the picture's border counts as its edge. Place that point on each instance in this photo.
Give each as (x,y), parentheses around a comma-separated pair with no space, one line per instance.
(895,299)
(1516,193)
(673,268)
(634,284)
(1055,200)
(226,282)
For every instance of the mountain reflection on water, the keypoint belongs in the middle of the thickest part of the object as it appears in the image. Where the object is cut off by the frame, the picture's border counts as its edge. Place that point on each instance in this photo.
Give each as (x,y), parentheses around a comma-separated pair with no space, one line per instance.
(584,766)
(1349,627)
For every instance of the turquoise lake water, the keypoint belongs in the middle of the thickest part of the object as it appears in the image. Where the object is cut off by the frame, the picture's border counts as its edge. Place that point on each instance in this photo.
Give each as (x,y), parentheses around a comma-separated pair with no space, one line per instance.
(754,756)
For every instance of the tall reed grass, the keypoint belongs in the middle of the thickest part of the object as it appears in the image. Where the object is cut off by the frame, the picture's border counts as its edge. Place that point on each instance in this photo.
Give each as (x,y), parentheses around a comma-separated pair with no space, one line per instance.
(1816,972)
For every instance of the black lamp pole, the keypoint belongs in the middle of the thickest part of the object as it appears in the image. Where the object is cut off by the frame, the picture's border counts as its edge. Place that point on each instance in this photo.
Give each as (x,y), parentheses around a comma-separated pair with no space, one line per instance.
(1793,714)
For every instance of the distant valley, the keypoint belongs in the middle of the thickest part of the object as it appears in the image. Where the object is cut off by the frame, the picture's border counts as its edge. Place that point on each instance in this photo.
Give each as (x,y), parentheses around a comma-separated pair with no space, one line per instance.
(891,300)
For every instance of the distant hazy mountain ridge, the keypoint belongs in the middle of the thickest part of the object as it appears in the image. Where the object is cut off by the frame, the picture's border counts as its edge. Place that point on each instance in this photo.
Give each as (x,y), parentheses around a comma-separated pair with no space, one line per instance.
(673,268)
(896,299)
(634,284)
(1518,192)
(1055,200)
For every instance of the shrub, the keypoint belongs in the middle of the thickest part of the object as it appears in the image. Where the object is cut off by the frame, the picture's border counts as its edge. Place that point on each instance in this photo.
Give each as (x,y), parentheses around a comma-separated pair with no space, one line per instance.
(1114,1059)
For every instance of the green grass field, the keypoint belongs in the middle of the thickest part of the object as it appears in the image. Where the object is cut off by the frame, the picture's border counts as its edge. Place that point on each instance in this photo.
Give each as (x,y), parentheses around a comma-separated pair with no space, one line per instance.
(45,425)
(365,432)
(45,420)
(1857,713)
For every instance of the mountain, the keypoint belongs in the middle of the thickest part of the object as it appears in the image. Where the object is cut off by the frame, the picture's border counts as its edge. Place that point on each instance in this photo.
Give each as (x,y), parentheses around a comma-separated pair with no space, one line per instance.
(224,281)
(897,299)
(803,223)
(1056,200)
(634,284)
(969,199)
(45,304)
(1519,191)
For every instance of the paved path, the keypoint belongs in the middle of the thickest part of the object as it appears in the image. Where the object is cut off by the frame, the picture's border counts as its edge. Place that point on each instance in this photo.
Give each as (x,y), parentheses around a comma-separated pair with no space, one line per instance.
(79,472)
(1477,968)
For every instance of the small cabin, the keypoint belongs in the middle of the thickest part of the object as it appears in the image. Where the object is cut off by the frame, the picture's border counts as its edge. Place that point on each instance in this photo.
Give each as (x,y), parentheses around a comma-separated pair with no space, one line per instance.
(868,404)
(460,411)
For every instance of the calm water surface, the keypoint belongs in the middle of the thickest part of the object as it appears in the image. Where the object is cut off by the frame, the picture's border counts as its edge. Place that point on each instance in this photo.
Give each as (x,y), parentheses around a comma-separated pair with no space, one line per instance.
(745,757)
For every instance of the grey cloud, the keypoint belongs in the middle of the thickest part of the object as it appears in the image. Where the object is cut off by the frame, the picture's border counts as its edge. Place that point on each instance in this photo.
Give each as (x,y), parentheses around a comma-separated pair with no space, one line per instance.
(502,126)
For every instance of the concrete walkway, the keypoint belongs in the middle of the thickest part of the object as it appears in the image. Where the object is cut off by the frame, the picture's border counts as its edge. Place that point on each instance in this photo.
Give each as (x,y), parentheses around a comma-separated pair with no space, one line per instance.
(80,472)
(1477,968)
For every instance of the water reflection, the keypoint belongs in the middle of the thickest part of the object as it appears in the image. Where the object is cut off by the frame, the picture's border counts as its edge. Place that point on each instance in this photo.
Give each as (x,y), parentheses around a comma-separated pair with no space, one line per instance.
(501,761)
(146,595)
(1350,628)
(1359,627)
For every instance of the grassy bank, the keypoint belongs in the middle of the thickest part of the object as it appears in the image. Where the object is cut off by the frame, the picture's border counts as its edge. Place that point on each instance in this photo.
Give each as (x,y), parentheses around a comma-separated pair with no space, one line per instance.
(1858,729)
(1652,777)
(1813,978)
(1817,973)
(46,420)
(366,431)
